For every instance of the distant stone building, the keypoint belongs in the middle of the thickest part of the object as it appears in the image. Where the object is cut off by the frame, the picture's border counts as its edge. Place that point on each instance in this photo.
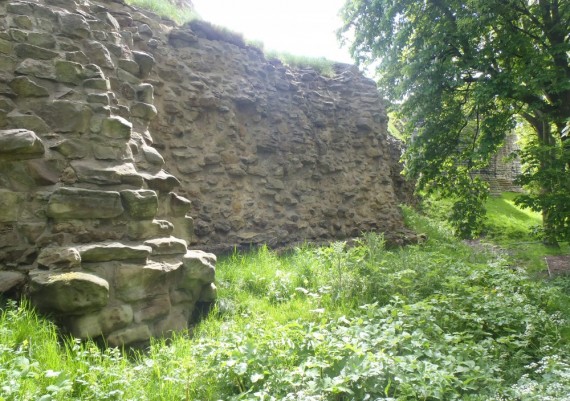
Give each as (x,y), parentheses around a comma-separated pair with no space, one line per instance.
(504,168)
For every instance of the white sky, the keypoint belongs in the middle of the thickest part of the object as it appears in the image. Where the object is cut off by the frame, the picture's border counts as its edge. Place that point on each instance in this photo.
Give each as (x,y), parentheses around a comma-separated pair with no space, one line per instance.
(300,27)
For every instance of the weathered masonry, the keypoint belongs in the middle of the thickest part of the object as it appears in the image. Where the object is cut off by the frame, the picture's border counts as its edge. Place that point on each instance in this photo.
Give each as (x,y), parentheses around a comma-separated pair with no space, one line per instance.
(126,143)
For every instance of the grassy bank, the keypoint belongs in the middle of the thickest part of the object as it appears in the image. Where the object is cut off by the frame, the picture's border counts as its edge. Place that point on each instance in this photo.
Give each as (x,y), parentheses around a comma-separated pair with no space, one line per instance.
(438,321)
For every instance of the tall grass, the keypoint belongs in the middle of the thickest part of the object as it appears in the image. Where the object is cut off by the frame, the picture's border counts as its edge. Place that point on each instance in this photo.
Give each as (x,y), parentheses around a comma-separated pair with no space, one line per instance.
(166,9)
(364,322)
(321,65)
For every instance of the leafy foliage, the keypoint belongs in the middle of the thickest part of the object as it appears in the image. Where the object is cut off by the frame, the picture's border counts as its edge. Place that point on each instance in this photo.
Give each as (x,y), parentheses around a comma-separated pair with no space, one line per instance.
(362,322)
(459,72)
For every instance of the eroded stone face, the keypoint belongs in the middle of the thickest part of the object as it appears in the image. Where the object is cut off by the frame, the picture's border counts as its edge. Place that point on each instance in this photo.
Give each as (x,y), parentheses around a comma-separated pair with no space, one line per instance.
(20,144)
(78,203)
(74,293)
(87,209)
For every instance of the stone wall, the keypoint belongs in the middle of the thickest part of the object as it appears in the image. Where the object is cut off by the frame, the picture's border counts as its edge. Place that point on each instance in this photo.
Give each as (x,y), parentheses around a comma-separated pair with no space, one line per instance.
(90,222)
(270,154)
(116,127)
(503,168)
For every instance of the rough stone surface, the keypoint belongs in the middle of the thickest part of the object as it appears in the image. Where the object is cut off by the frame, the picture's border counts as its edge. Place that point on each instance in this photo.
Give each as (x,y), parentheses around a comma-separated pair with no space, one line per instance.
(105,252)
(55,258)
(140,204)
(68,293)
(504,168)
(19,144)
(77,203)
(10,280)
(200,266)
(125,139)
(167,246)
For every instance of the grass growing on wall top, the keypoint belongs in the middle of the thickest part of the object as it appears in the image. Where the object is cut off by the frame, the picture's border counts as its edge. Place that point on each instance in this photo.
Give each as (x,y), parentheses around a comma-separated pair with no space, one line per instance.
(322,65)
(165,8)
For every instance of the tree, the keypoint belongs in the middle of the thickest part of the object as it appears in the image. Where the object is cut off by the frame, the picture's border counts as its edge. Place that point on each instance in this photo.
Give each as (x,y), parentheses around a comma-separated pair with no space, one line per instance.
(460,71)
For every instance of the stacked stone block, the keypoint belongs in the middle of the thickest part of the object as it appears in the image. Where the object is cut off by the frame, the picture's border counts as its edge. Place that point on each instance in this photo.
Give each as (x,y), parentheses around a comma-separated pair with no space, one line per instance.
(91,226)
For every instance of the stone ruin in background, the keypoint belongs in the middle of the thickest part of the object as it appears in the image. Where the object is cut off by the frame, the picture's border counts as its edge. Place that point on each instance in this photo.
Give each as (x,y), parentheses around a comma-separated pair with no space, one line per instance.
(127,142)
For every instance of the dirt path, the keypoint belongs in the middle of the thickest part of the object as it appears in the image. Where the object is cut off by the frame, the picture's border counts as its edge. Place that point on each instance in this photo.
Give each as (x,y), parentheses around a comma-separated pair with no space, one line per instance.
(558,265)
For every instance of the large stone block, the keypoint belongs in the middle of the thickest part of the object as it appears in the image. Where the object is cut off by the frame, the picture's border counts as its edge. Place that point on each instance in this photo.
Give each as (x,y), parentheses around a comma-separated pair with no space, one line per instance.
(143,110)
(129,335)
(19,144)
(24,50)
(24,86)
(28,121)
(74,25)
(109,319)
(117,128)
(161,181)
(116,317)
(59,258)
(179,205)
(152,308)
(65,115)
(108,251)
(199,265)
(182,38)
(36,68)
(86,326)
(77,203)
(134,282)
(98,54)
(69,72)
(167,246)
(68,293)
(11,280)
(140,204)
(144,229)
(9,205)
(100,173)
(152,155)
(145,62)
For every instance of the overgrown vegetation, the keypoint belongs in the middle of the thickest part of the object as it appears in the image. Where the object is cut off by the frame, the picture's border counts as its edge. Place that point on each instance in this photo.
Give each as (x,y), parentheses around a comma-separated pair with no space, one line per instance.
(437,321)
(320,64)
(463,74)
(166,9)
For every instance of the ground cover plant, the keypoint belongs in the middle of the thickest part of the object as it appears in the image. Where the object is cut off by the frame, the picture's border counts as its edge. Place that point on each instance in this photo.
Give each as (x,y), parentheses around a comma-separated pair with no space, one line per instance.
(438,321)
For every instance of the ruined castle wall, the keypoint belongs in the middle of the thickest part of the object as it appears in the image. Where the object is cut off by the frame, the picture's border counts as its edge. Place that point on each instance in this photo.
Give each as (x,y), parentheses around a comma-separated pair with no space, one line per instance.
(126,141)
(504,168)
(270,154)
(91,224)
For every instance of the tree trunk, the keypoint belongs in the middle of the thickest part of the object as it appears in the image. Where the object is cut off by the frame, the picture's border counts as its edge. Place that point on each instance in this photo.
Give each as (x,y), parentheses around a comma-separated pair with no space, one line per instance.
(546,139)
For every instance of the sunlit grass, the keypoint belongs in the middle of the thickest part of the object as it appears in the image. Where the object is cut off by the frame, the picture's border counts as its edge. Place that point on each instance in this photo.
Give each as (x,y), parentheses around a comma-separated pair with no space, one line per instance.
(320,64)
(433,321)
(508,222)
(166,9)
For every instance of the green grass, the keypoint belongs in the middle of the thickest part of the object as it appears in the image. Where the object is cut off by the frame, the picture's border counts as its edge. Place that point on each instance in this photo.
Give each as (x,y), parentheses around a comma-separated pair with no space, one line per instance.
(509,228)
(166,9)
(509,223)
(438,321)
(322,65)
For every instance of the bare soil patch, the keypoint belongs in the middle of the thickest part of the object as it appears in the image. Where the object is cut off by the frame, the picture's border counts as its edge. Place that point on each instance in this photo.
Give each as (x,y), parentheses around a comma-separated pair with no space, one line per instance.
(558,265)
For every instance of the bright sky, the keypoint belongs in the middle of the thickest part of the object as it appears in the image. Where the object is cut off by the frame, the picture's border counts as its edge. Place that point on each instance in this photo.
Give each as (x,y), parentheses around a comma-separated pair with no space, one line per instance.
(300,27)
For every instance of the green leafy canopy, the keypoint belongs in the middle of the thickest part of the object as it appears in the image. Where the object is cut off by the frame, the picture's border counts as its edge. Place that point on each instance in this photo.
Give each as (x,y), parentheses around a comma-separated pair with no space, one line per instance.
(460,71)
